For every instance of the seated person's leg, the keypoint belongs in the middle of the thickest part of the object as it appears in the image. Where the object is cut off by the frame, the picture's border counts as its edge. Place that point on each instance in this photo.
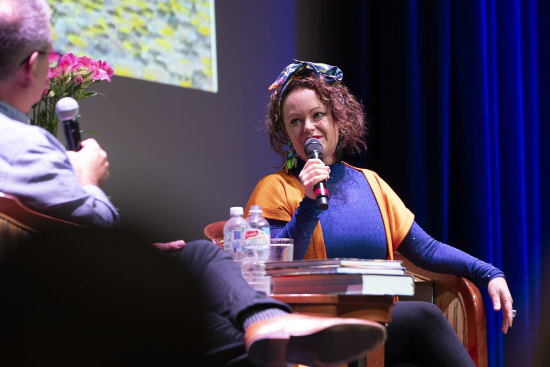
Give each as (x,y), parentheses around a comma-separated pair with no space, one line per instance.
(228,298)
(225,290)
(272,336)
(419,334)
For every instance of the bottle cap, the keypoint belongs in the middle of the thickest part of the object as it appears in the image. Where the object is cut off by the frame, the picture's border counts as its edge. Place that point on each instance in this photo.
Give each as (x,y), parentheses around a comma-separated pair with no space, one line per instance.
(255,209)
(236,210)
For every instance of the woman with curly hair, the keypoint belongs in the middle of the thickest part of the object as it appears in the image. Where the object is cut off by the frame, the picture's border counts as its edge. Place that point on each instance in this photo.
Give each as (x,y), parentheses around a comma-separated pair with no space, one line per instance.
(365,218)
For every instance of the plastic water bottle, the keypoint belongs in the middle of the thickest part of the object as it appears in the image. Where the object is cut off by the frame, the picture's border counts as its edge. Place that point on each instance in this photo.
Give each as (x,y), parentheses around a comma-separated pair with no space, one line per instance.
(256,243)
(233,235)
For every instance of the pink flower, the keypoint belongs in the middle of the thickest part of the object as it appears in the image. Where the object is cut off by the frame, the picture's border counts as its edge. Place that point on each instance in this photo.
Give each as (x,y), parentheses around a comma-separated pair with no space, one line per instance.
(105,67)
(53,73)
(73,77)
(101,71)
(99,74)
(68,63)
(86,62)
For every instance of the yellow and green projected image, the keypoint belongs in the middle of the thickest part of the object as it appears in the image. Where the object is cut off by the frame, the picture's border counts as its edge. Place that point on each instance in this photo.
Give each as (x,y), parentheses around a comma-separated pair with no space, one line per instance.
(166,41)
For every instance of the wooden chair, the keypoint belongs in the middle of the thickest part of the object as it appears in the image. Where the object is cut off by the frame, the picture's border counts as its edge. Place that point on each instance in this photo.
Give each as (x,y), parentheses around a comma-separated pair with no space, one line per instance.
(17,222)
(214,232)
(458,298)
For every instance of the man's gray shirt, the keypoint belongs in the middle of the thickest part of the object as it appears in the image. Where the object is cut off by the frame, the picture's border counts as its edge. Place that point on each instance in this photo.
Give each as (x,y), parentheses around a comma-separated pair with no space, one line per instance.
(35,168)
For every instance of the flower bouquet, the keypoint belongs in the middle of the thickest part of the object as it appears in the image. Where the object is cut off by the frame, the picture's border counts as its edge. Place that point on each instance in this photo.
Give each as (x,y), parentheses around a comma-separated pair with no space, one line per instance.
(72,77)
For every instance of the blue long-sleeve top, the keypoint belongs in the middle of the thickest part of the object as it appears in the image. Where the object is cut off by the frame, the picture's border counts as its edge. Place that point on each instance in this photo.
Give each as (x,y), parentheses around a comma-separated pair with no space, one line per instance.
(353,228)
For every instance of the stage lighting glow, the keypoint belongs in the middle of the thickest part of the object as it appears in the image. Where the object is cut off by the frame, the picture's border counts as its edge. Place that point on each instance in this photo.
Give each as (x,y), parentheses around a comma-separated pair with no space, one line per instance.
(166,41)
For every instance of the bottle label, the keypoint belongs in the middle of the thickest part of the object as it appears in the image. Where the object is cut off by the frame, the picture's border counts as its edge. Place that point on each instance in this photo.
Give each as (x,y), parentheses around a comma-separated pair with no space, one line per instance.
(251,234)
(257,237)
(236,241)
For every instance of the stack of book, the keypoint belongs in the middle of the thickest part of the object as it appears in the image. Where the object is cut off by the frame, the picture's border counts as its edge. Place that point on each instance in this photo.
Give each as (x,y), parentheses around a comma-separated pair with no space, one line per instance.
(341,276)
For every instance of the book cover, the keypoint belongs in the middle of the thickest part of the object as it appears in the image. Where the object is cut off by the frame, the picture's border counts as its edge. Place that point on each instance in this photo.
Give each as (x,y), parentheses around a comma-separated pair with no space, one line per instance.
(336,269)
(366,284)
(341,262)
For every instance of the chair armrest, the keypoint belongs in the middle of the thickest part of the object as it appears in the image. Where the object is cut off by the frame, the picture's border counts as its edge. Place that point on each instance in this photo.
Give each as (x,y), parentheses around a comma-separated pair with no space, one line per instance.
(11,208)
(17,222)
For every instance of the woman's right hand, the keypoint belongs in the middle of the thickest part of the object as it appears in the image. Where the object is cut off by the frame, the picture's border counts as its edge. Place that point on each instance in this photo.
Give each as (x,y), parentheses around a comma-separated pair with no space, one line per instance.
(314,171)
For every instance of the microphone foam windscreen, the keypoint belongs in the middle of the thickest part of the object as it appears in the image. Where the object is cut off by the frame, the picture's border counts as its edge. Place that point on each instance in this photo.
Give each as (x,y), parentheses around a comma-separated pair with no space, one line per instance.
(66,109)
(311,145)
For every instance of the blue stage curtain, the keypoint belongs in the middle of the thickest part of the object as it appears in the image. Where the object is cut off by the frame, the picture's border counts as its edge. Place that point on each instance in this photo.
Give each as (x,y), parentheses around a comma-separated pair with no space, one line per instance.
(456,95)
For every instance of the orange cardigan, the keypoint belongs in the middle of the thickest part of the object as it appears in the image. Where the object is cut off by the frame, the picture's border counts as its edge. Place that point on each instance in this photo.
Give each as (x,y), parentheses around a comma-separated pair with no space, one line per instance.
(279,194)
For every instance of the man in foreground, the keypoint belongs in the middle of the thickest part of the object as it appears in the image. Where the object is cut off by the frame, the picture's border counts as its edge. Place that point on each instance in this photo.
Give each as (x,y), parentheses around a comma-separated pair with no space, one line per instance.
(34,166)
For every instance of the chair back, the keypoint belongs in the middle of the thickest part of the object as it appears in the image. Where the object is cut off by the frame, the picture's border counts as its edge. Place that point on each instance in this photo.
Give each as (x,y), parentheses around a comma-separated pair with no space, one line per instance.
(17,222)
(214,232)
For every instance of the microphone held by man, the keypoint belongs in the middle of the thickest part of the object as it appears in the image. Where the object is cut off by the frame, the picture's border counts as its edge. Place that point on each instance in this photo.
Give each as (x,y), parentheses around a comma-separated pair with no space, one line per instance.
(88,159)
(67,112)
(314,150)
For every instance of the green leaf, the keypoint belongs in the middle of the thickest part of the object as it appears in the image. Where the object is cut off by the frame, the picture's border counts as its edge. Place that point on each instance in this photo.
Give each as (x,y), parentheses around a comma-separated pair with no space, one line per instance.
(89,132)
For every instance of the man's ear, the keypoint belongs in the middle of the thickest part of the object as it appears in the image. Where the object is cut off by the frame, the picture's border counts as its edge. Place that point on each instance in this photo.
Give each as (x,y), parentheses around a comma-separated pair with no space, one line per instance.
(26,73)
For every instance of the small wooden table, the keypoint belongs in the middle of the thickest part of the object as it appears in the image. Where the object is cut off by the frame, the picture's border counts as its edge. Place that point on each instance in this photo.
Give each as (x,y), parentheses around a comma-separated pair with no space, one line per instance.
(373,308)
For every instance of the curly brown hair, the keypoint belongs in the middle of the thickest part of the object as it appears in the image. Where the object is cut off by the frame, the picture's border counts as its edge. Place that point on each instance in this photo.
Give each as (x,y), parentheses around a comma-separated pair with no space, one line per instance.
(346,111)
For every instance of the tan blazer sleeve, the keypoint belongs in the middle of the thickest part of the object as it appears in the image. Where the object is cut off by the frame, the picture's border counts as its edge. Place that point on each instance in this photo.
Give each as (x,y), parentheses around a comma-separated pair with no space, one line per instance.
(279,195)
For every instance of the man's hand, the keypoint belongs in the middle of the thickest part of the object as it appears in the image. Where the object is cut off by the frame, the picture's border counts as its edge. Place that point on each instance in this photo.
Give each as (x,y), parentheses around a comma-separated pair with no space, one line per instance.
(90,163)
(501,297)
(169,246)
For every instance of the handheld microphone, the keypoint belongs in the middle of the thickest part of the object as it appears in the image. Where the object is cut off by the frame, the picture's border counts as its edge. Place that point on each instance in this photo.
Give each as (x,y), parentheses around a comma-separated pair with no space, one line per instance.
(314,150)
(67,111)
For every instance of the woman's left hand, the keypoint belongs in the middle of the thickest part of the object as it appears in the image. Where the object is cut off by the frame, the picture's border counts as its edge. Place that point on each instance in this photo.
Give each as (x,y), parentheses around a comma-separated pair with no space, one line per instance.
(501,297)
